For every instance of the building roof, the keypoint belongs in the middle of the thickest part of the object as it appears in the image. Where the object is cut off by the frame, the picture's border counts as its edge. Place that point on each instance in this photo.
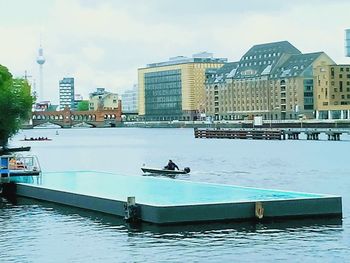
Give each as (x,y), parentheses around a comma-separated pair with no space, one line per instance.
(273,60)
(261,59)
(296,65)
(228,70)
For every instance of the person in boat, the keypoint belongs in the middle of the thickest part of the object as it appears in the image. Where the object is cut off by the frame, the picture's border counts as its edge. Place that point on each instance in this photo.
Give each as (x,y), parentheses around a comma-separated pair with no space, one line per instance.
(171,166)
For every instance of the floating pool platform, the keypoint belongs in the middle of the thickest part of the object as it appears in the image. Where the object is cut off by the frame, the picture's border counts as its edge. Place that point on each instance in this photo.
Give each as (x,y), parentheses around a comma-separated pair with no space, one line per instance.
(169,201)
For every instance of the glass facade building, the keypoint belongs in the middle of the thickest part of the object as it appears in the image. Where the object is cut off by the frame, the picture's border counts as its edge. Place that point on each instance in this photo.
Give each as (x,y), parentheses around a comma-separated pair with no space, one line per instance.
(163,100)
(174,89)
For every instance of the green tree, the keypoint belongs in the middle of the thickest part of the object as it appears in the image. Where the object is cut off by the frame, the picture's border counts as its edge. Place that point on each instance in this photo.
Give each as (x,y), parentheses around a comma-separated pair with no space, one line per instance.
(15,104)
(83,105)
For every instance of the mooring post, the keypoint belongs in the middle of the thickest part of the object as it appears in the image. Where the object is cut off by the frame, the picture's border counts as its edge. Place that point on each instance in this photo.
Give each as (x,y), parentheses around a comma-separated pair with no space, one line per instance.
(132,211)
(259,210)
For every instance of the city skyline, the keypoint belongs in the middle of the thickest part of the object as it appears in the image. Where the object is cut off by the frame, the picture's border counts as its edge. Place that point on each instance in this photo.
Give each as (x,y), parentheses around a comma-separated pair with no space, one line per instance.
(103,43)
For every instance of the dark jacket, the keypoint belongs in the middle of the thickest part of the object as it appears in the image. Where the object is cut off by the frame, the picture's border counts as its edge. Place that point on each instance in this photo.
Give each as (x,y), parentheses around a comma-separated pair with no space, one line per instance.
(171,166)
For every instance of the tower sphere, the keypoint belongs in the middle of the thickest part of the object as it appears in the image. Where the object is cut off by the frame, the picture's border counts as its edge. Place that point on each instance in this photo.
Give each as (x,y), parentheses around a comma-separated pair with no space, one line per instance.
(40,60)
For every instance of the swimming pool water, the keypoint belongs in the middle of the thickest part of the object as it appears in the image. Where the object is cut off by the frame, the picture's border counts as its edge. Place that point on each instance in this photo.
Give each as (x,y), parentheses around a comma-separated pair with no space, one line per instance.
(158,191)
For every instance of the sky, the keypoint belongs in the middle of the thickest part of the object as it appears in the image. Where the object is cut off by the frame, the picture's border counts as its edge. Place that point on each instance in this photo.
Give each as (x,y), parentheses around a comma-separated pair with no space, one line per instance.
(102,43)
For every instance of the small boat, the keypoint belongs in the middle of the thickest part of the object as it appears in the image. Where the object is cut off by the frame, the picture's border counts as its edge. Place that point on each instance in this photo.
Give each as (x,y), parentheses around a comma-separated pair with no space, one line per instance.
(186,170)
(15,165)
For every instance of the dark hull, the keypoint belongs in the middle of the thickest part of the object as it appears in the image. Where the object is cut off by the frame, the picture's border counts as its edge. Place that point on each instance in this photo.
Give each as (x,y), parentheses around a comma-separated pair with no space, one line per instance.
(162,171)
(15,173)
(36,140)
(17,149)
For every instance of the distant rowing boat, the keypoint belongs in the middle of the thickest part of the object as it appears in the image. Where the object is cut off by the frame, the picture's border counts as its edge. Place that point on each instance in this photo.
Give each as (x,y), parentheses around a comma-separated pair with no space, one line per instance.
(36,139)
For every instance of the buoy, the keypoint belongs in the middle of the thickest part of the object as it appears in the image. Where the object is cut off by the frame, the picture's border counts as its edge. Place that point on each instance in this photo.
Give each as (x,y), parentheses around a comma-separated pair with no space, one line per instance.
(259,210)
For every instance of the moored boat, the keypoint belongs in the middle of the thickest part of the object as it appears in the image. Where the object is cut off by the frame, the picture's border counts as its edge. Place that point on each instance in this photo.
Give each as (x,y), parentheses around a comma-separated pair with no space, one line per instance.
(14,165)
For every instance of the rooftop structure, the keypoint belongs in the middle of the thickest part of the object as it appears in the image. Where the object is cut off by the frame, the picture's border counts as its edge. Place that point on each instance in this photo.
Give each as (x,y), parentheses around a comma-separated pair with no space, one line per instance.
(203,57)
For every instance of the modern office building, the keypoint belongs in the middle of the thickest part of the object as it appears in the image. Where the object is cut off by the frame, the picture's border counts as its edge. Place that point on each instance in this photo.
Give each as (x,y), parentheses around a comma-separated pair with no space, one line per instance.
(130,100)
(332,92)
(174,89)
(102,99)
(273,80)
(66,89)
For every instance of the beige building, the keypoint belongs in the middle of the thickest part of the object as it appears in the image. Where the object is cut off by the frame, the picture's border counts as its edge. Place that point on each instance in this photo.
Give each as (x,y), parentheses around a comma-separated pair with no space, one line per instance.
(174,89)
(103,100)
(332,91)
(273,80)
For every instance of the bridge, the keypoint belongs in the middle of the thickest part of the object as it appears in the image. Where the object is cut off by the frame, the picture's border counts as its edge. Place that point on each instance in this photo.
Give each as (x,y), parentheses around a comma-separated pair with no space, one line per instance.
(68,118)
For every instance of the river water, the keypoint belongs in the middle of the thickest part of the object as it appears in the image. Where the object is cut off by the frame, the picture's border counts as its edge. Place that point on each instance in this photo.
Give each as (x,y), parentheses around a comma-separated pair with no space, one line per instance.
(34,231)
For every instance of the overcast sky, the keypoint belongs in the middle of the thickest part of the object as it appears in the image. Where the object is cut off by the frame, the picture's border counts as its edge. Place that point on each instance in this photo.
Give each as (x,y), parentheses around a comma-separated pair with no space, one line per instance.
(102,43)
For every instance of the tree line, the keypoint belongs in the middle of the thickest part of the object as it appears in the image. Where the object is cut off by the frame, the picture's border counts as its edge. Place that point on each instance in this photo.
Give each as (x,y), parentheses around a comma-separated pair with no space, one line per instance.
(15,104)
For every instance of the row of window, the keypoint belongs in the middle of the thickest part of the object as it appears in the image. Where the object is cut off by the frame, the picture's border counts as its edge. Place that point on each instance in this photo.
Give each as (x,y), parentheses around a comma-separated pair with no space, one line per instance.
(274,54)
(157,86)
(341,69)
(253,108)
(341,76)
(163,73)
(255,63)
(165,79)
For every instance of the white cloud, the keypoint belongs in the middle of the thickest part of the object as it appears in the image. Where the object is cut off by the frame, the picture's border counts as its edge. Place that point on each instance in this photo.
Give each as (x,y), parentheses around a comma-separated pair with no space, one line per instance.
(102,43)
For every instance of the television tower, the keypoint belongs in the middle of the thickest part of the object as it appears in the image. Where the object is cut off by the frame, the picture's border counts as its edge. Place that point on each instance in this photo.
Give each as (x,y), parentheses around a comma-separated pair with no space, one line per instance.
(41,60)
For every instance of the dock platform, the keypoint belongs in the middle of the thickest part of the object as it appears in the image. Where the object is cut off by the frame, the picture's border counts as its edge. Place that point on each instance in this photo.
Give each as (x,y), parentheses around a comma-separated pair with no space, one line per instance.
(267,134)
(254,134)
(168,201)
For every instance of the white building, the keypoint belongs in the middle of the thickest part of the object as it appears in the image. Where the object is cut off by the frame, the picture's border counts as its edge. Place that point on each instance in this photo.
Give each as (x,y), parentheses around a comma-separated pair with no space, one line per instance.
(66,86)
(102,99)
(130,101)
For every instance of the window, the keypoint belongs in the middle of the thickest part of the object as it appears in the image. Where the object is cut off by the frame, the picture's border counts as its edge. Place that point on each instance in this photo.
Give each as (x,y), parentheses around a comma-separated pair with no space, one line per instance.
(340,76)
(341,69)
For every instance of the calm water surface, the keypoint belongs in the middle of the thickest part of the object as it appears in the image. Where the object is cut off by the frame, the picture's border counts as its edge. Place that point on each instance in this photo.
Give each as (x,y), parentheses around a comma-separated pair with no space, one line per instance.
(33,231)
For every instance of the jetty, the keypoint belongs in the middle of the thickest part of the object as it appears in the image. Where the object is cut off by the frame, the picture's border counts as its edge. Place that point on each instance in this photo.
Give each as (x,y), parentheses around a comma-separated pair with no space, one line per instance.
(267,134)
(166,201)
